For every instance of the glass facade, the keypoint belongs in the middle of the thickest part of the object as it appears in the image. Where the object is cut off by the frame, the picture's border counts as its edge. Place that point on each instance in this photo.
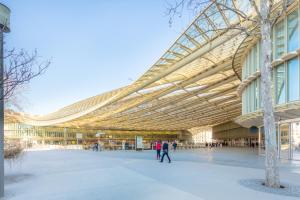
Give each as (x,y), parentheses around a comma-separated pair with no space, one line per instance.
(279,39)
(293,31)
(67,136)
(286,75)
(251,62)
(280,84)
(251,97)
(293,79)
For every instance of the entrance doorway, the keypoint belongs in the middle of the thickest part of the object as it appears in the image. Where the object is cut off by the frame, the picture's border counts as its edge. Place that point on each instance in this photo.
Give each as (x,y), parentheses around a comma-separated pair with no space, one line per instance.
(289,140)
(295,140)
(284,141)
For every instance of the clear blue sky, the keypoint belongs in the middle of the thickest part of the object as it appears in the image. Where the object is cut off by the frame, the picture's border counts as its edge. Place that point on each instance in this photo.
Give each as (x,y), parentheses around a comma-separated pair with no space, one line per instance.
(95,45)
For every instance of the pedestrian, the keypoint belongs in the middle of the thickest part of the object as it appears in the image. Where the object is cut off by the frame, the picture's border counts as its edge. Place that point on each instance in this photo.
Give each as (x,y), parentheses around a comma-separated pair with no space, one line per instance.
(99,146)
(174,145)
(158,149)
(165,149)
(95,147)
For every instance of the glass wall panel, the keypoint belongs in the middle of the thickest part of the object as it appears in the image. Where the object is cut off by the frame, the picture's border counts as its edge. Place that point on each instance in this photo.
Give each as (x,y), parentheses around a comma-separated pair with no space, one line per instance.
(279,39)
(256,94)
(255,58)
(285,141)
(243,99)
(285,77)
(293,31)
(280,84)
(244,71)
(295,137)
(259,55)
(251,62)
(293,79)
(251,97)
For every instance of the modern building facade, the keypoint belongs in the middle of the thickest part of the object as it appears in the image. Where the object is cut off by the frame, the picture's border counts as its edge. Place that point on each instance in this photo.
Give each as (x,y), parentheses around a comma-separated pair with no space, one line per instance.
(286,83)
(201,135)
(210,76)
(233,135)
(111,139)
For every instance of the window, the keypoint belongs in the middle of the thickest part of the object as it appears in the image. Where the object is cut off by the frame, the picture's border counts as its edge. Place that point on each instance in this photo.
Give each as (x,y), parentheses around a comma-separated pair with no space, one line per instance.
(279,39)
(280,84)
(259,56)
(243,103)
(250,62)
(257,96)
(250,97)
(293,79)
(293,31)
(253,97)
(286,76)
(255,58)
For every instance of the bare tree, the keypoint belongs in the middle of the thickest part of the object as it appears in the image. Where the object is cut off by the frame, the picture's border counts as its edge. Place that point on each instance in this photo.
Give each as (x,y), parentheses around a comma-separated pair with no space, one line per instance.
(19,68)
(261,26)
(16,69)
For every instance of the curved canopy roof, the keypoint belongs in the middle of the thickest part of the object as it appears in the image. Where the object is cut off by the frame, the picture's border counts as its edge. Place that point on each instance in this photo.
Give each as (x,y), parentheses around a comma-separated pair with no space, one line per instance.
(192,84)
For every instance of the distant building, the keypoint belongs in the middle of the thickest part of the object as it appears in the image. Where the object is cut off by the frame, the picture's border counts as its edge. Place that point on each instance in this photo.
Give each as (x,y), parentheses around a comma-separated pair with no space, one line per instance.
(201,135)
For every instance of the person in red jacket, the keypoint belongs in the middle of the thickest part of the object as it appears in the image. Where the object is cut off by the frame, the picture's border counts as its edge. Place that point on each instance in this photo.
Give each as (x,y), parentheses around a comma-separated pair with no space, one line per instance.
(158,149)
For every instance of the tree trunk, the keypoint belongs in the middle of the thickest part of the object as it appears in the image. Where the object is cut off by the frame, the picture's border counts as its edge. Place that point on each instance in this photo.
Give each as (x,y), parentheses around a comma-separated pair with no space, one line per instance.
(1,119)
(271,159)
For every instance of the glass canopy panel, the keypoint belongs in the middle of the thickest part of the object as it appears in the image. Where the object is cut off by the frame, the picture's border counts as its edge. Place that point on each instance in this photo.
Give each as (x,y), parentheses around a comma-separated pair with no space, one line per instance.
(192,31)
(231,16)
(170,56)
(244,6)
(215,15)
(200,39)
(178,50)
(195,34)
(293,31)
(185,42)
(203,24)
(191,89)
(162,62)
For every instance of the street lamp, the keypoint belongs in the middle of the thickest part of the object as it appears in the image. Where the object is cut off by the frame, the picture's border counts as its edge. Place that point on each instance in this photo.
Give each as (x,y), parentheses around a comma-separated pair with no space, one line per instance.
(4,28)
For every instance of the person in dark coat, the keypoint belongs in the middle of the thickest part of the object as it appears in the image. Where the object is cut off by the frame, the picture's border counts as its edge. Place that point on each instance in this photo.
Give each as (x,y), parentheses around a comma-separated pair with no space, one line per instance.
(165,149)
(174,145)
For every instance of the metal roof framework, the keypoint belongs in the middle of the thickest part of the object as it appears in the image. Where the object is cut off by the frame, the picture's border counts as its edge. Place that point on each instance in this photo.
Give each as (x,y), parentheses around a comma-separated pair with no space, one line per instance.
(193,84)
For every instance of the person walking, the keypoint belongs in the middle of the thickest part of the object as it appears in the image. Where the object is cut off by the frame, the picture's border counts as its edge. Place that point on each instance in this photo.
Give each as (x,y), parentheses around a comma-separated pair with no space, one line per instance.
(174,146)
(158,149)
(165,149)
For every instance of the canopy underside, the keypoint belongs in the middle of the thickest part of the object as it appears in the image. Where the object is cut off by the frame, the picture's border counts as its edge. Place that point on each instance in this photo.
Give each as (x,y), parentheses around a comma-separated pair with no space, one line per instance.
(193,84)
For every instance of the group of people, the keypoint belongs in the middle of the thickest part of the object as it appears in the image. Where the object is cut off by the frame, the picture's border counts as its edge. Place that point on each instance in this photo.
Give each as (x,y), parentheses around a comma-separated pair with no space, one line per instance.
(165,150)
(97,147)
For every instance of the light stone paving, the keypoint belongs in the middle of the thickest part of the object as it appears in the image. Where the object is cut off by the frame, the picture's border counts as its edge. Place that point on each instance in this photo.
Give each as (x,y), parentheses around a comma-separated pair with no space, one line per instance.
(129,175)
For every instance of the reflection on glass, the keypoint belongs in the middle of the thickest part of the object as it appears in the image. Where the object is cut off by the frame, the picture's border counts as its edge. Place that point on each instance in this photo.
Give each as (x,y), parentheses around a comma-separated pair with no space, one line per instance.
(252,95)
(280,84)
(257,95)
(284,139)
(293,80)
(279,39)
(255,58)
(293,31)
(296,140)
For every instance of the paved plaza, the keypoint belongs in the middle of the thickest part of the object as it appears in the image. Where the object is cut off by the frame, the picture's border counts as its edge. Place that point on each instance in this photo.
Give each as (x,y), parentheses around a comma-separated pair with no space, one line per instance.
(111,175)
